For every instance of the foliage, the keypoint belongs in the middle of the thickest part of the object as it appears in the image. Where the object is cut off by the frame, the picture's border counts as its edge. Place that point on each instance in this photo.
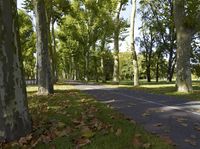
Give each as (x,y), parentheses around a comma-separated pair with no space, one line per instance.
(126,69)
(27,40)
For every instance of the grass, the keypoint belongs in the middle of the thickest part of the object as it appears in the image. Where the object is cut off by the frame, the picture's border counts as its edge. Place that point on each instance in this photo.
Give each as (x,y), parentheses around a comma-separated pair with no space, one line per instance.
(163,87)
(70,119)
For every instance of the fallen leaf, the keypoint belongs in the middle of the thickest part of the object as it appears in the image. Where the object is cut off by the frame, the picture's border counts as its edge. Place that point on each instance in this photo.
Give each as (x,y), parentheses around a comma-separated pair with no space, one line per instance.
(82,142)
(118,132)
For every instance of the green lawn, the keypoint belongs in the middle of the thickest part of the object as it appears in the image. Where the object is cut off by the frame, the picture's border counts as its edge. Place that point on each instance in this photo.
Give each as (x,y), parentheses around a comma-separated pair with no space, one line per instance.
(162,87)
(70,119)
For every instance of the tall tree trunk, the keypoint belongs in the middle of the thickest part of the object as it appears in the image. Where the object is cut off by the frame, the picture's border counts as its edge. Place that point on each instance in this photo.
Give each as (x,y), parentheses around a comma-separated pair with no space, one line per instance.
(148,64)
(15,120)
(116,58)
(184,38)
(96,75)
(54,56)
(87,56)
(103,75)
(148,73)
(172,56)
(116,43)
(45,85)
(157,67)
(132,44)
(170,63)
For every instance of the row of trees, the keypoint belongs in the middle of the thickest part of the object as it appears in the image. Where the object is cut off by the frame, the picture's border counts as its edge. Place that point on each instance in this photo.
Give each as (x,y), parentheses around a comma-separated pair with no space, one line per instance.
(80,48)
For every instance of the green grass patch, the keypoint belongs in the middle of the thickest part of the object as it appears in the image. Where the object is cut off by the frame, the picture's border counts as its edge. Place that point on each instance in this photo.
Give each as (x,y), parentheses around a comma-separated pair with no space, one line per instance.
(163,87)
(70,119)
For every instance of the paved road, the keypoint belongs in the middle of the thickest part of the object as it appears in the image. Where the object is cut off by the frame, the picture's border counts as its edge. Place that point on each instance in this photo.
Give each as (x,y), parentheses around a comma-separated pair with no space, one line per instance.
(166,116)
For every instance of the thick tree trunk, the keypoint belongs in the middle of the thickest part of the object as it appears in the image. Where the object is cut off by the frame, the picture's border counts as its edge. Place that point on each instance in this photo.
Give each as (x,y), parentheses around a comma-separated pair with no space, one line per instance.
(132,44)
(116,58)
(45,85)
(184,38)
(116,43)
(15,120)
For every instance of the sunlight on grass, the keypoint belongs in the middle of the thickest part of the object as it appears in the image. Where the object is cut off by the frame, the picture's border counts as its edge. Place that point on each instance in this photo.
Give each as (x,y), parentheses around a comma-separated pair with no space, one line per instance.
(70,119)
(163,87)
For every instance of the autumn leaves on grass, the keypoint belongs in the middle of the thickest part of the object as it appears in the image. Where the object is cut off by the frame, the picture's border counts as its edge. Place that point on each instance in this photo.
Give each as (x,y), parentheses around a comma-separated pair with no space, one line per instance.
(70,119)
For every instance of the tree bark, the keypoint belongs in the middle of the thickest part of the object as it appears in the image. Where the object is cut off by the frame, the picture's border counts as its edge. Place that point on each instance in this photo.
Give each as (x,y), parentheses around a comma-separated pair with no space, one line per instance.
(87,57)
(132,44)
(103,75)
(184,38)
(15,120)
(172,56)
(54,56)
(157,67)
(45,85)
(116,43)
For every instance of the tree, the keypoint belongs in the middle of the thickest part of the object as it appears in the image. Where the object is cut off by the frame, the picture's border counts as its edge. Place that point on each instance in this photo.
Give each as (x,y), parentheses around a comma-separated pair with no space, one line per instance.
(116,41)
(27,40)
(45,84)
(158,21)
(14,117)
(132,44)
(184,38)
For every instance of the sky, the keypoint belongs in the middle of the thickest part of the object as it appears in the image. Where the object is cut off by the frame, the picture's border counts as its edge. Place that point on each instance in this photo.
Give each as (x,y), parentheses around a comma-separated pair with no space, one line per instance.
(126,15)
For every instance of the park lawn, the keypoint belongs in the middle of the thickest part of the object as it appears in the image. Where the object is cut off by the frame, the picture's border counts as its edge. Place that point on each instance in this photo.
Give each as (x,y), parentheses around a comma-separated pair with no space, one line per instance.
(162,87)
(70,119)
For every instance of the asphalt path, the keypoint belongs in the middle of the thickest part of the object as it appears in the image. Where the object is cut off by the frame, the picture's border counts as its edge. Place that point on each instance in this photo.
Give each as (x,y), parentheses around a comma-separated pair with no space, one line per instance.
(169,117)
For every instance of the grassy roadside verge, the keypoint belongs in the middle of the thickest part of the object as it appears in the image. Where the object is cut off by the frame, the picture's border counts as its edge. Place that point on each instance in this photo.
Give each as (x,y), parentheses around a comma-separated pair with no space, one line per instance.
(163,87)
(70,119)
